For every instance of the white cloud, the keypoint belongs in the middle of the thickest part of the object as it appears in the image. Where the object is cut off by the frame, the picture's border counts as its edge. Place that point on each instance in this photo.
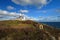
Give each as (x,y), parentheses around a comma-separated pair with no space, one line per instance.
(14,14)
(33,18)
(10,7)
(49,19)
(57,10)
(4,14)
(11,15)
(44,11)
(23,11)
(39,3)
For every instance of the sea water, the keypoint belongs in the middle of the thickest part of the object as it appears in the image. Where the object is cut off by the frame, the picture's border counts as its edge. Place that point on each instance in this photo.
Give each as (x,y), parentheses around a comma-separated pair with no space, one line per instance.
(54,24)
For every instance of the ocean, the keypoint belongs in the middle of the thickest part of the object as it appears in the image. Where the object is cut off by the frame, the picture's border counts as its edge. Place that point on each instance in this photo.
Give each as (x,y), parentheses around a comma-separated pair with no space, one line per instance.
(54,24)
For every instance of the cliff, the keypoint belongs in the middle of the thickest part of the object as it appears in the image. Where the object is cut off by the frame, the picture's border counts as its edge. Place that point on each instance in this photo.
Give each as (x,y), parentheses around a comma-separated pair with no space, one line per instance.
(27,30)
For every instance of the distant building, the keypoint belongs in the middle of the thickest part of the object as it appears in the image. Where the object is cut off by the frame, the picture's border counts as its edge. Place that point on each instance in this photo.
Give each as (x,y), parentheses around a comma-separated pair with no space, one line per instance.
(21,17)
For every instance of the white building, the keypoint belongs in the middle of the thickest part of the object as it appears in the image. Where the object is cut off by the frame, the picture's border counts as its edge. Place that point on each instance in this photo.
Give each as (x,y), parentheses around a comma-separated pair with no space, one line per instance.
(22,17)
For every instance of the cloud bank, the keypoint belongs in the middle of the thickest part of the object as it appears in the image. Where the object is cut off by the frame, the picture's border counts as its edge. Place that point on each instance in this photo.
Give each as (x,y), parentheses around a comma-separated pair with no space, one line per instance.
(39,3)
(23,11)
(10,7)
(3,12)
(4,15)
(49,19)
(7,15)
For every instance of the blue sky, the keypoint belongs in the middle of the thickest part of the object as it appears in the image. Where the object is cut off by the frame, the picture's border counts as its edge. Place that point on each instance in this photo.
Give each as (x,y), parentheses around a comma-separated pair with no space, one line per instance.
(43,10)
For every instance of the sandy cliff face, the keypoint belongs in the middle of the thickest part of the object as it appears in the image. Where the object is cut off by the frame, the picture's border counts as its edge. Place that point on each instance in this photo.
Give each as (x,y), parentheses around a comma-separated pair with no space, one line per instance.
(27,30)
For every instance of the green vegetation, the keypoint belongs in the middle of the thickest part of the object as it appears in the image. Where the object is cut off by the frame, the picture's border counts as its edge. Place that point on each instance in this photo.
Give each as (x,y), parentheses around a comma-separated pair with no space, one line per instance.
(26,30)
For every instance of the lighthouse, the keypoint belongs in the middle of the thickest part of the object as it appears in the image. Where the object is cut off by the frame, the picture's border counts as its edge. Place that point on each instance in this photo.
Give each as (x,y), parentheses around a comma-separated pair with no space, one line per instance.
(21,17)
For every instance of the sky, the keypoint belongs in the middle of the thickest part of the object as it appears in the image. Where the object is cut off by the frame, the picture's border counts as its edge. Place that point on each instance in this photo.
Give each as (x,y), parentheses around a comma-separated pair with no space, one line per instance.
(40,10)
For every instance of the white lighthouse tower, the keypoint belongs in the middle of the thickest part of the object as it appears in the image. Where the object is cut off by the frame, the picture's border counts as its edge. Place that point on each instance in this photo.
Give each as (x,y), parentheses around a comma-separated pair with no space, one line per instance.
(21,17)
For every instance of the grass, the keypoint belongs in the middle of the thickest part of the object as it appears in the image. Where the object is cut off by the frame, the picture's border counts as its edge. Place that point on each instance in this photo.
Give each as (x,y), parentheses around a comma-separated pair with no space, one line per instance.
(24,30)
